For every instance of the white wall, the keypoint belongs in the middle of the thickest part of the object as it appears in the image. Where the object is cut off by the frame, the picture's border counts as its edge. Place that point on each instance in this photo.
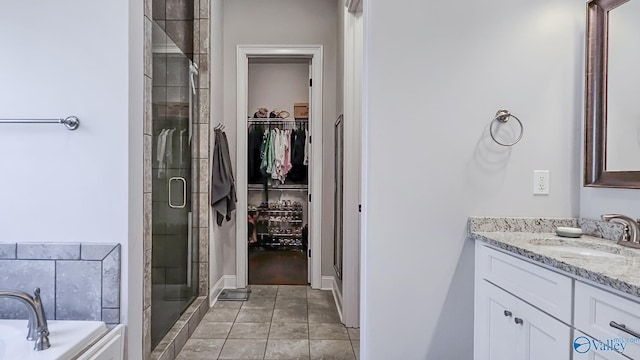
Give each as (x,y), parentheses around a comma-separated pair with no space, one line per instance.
(75,57)
(306,22)
(61,185)
(275,84)
(435,75)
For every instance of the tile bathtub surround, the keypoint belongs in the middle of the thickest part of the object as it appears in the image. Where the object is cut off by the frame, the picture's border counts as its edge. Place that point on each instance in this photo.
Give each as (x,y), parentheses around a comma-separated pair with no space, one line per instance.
(277,322)
(76,281)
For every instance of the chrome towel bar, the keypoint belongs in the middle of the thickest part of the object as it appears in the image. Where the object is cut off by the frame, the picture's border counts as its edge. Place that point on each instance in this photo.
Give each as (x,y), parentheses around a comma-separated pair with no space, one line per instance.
(71,122)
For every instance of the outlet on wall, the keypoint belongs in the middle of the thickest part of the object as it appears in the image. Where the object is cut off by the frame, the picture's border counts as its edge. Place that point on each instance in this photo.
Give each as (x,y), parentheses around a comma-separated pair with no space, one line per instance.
(541,182)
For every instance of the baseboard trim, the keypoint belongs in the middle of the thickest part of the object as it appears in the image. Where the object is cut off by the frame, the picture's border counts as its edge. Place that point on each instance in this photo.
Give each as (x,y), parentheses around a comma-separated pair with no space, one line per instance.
(225,282)
(230,282)
(215,290)
(327,283)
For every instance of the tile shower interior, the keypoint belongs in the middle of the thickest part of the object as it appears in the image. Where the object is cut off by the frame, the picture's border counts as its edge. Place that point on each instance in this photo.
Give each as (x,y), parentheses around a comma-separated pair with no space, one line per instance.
(77,281)
(277,322)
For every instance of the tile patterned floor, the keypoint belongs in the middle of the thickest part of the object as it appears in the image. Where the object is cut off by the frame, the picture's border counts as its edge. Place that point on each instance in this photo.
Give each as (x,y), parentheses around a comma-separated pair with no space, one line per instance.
(277,322)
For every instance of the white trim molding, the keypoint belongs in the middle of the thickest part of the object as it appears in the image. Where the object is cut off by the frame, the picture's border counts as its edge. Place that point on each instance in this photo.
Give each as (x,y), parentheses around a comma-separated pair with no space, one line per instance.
(230,282)
(330,283)
(315,54)
(225,282)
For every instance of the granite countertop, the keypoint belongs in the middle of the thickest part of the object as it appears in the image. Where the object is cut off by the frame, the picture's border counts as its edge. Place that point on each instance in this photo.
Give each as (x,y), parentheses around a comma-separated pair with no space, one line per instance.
(527,236)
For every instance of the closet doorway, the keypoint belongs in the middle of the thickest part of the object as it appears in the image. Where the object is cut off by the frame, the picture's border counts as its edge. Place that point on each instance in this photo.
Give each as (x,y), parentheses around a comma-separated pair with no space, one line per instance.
(280,243)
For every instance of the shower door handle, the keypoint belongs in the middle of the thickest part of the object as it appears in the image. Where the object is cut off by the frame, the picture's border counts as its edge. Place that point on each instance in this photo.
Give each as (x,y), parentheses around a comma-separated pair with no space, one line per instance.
(184,192)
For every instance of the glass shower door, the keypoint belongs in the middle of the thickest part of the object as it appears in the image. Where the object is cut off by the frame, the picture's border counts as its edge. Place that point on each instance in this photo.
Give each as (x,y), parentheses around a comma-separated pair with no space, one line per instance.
(175,246)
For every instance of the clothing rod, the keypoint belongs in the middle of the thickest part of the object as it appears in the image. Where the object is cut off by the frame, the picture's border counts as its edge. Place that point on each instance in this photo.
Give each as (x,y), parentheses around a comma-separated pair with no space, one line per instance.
(71,122)
(277,121)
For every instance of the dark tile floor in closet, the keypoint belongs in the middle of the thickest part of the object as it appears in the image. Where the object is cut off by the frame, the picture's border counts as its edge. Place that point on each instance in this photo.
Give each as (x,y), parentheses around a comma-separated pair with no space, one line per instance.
(277,322)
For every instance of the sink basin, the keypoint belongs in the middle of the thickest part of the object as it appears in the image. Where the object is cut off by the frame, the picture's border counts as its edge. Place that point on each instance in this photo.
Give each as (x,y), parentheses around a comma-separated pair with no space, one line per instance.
(583,248)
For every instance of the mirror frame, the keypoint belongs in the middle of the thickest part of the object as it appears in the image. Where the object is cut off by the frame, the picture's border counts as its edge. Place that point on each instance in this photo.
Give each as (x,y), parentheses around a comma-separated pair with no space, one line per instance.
(595,174)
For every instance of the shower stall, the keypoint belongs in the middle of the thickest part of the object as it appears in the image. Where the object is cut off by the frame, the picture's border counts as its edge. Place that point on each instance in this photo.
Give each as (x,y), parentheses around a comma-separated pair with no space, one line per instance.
(174,268)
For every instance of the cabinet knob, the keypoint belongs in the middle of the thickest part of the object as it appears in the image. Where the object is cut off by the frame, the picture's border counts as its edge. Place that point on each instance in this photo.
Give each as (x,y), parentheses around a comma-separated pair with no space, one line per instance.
(508,313)
(519,321)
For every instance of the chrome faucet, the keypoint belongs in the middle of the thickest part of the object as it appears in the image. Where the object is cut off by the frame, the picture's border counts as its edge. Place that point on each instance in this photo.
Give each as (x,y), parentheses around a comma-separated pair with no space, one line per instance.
(631,237)
(38,329)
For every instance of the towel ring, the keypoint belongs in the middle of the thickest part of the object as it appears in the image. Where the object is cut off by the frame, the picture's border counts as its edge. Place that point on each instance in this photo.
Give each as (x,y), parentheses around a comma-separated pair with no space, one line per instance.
(503,116)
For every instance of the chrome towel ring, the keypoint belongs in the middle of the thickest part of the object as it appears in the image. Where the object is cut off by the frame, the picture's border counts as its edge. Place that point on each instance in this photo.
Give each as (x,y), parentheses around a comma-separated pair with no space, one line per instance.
(502,116)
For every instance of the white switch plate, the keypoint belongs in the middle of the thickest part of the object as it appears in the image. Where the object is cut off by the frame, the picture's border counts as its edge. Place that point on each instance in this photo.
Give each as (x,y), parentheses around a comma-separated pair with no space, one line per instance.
(541,182)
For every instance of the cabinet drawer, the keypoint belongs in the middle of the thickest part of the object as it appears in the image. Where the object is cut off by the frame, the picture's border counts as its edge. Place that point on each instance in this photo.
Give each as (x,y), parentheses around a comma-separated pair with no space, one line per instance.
(595,309)
(547,290)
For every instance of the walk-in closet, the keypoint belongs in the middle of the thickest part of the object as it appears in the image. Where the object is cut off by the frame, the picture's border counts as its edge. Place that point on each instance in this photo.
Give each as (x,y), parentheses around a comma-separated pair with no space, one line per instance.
(278,160)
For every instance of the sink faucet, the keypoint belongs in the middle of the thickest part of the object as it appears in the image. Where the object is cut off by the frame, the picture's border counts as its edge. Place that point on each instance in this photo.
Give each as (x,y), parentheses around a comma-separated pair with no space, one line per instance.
(631,236)
(38,329)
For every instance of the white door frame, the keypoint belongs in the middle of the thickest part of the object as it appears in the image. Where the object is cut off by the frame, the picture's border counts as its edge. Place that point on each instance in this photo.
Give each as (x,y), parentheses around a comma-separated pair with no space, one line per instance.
(315,54)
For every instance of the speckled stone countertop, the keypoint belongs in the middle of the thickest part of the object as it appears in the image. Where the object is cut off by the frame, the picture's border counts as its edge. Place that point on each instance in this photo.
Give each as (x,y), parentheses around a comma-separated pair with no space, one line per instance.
(527,237)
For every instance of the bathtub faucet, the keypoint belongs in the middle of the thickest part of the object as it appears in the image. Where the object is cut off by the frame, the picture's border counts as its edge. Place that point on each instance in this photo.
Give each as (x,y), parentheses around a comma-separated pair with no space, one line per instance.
(38,329)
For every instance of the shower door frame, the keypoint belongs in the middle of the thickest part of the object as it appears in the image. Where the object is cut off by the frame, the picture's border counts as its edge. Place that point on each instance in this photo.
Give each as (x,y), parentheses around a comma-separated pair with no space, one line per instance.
(315,54)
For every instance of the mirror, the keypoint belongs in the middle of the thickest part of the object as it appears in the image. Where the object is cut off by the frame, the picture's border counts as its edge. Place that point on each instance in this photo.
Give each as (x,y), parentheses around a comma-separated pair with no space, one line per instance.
(338,198)
(612,144)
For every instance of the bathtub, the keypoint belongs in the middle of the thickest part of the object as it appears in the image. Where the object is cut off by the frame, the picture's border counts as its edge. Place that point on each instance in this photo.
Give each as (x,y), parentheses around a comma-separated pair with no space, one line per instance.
(68,339)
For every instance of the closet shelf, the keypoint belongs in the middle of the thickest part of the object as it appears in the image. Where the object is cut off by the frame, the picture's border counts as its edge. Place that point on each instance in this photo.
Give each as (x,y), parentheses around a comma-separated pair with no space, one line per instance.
(260,187)
(275,120)
(279,245)
(281,222)
(280,235)
(279,212)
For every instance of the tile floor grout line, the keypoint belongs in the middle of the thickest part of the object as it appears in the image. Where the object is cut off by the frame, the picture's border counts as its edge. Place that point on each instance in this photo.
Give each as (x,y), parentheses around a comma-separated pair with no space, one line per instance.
(308,325)
(229,333)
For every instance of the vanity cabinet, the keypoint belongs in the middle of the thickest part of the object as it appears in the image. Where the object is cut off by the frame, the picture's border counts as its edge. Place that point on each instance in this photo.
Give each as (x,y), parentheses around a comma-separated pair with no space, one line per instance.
(526,311)
(506,325)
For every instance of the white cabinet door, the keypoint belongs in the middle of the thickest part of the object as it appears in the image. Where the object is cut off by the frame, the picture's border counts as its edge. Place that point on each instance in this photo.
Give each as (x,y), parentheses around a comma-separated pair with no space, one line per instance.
(507,328)
(542,337)
(496,333)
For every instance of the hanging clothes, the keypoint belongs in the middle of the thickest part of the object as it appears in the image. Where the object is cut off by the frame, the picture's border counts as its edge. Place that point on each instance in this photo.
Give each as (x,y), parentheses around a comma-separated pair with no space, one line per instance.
(286,166)
(255,144)
(281,155)
(298,172)
(223,192)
